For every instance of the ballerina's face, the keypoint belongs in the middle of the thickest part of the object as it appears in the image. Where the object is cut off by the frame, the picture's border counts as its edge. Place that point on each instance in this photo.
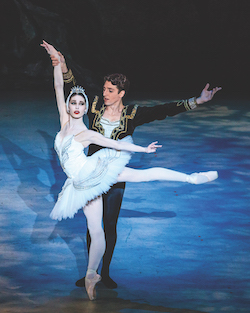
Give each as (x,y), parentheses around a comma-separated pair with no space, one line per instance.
(77,106)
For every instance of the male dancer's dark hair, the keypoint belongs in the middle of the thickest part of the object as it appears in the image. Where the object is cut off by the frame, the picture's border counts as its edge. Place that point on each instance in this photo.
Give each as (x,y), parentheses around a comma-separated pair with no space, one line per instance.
(119,80)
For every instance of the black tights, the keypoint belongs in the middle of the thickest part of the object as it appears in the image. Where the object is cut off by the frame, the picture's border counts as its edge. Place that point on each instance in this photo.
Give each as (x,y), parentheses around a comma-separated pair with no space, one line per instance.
(111,208)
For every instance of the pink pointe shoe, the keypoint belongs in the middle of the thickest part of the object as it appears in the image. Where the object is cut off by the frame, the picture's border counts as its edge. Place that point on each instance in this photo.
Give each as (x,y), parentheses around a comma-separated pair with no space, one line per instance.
(202,177)
(90,284)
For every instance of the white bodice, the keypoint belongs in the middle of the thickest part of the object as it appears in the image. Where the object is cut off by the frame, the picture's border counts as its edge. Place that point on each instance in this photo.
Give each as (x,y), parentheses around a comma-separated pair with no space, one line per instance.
(71,154)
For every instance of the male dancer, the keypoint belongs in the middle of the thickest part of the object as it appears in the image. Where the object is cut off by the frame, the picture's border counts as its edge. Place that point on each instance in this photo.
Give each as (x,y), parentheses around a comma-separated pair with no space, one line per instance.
(115,120)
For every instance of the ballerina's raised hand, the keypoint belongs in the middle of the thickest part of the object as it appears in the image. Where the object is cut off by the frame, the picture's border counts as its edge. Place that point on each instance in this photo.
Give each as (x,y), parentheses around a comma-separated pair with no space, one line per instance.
(49,48)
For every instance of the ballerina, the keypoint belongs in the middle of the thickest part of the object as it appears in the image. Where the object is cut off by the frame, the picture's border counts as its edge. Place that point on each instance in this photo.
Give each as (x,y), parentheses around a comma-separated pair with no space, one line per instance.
(90,177)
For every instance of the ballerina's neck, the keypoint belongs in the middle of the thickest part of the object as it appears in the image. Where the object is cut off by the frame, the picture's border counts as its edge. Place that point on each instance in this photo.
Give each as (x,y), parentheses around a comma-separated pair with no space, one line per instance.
(76,123)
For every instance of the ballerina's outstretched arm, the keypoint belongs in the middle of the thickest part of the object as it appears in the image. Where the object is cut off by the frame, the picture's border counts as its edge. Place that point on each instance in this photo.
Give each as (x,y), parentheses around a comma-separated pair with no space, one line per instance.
(87,137)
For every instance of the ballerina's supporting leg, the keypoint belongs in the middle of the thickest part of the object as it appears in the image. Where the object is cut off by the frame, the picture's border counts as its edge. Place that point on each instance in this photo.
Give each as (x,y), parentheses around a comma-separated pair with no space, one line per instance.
(93,213)
(159,173)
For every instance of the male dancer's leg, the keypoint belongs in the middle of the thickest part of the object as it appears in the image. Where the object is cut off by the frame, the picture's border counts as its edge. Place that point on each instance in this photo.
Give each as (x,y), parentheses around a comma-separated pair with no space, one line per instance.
(111,209)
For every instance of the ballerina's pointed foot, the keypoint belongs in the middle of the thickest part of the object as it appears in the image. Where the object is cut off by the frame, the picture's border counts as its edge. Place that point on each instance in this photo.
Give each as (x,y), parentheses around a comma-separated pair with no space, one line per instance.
(90,284)
(202,177)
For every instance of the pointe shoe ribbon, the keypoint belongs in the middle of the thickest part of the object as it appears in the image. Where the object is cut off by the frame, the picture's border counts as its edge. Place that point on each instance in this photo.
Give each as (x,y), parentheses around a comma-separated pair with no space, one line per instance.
(90,286)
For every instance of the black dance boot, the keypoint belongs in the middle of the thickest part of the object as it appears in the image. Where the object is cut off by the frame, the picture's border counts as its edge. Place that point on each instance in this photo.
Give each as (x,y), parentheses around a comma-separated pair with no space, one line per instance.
(109,283)
(80,282)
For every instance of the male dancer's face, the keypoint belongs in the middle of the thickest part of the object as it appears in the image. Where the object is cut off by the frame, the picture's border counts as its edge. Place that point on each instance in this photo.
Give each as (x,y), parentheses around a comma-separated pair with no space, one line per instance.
(111,94)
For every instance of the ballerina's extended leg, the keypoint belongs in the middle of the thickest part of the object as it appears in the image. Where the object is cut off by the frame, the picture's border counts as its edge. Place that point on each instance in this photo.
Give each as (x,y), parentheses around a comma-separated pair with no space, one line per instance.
(159,173)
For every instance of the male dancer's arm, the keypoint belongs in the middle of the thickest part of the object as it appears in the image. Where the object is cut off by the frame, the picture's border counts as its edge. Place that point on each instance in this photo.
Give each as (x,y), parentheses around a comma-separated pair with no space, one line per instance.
(159,112)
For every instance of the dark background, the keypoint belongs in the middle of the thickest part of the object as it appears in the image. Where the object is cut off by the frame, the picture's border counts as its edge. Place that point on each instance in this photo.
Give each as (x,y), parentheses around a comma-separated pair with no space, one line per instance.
(161,45)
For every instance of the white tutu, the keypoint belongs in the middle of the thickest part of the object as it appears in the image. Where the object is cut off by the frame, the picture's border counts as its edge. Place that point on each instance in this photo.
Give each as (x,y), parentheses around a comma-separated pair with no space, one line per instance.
(88,176)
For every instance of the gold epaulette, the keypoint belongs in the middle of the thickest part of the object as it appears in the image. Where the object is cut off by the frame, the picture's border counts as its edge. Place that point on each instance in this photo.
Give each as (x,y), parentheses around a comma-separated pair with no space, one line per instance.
(94,103)
(69,77)
(132,115)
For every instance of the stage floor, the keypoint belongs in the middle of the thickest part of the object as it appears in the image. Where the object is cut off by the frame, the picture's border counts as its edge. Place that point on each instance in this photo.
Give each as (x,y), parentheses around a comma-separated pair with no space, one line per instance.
(181,248)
